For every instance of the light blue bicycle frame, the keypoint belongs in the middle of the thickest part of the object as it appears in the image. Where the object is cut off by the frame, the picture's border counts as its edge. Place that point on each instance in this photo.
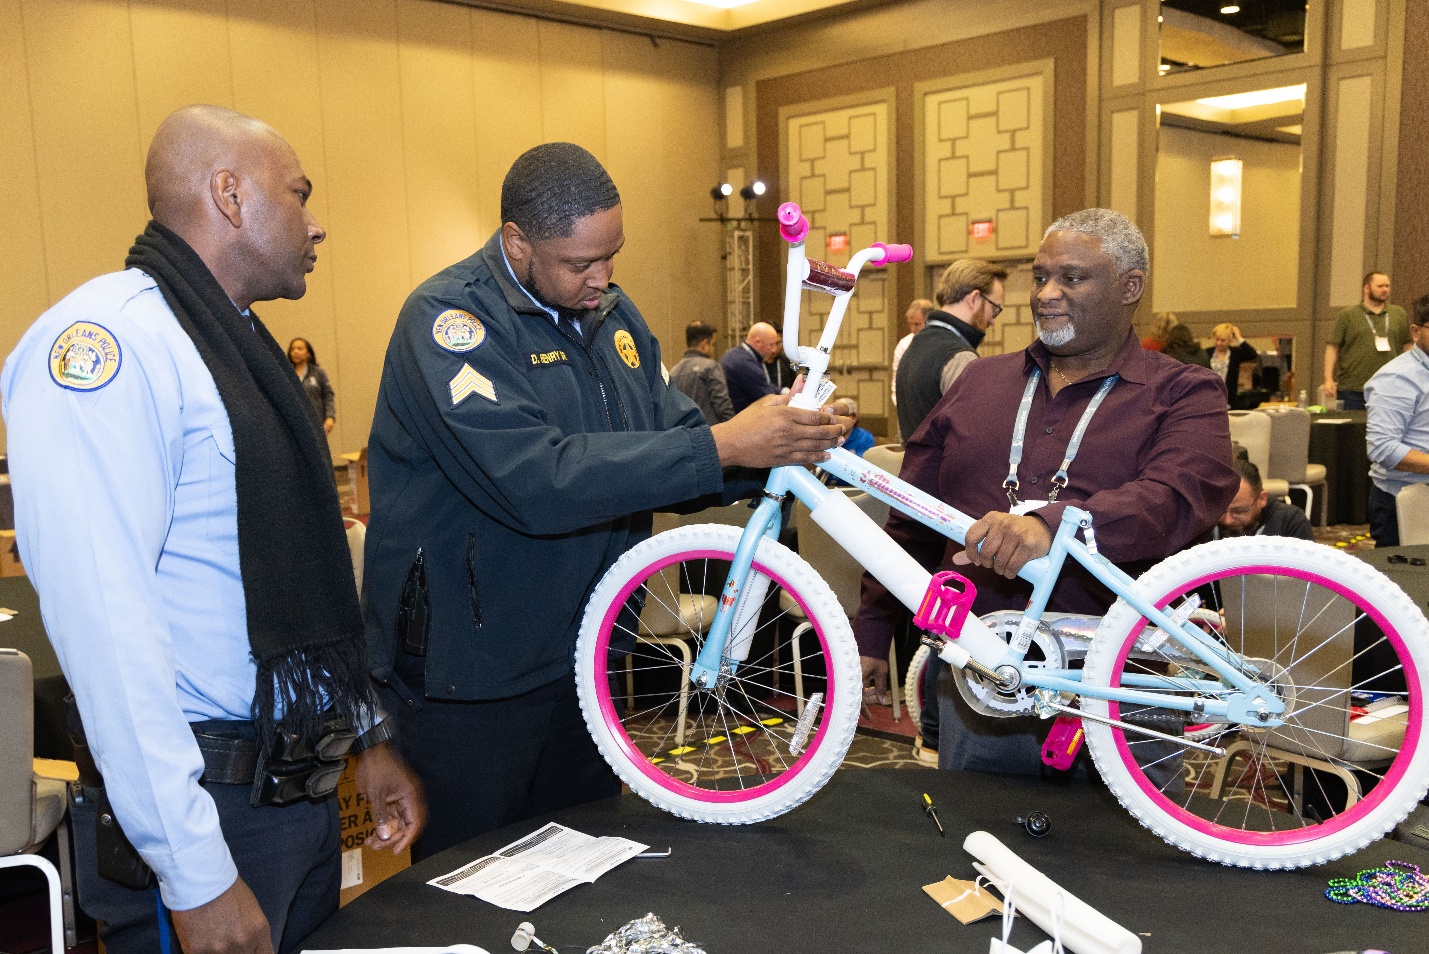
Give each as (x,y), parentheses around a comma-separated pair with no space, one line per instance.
(1235,697)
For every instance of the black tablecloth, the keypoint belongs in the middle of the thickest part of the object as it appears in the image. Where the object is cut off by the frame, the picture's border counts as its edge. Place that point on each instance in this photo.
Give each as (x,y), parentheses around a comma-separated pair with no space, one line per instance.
(1337,440)
(1414,580)
(844,873)
(26,632)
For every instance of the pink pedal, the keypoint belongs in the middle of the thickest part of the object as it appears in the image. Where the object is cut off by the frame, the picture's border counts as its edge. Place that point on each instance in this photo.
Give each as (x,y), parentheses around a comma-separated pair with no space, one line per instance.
(944,609)
(1063,742)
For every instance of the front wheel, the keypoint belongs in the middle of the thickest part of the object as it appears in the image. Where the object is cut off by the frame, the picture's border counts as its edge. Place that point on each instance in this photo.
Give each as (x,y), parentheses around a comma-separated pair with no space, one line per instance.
(1324,632)
(775,726)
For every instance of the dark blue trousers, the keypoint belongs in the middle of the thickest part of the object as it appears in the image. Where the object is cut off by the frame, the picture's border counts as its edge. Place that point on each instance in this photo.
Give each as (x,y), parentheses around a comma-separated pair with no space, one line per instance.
(489,764)
(289,857)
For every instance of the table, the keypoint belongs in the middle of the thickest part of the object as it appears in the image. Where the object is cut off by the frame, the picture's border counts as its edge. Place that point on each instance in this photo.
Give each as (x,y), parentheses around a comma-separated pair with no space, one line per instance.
(26,632)
(1414,580)
(1337,440)
(844,871)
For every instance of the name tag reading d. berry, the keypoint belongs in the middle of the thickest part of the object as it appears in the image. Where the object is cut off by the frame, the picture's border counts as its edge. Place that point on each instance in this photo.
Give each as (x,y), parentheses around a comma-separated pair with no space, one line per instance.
(548,359)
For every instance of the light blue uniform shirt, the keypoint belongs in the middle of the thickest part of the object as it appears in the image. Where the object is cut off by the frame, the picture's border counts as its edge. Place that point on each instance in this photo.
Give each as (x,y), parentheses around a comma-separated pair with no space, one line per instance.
(1397,399)
(126,515)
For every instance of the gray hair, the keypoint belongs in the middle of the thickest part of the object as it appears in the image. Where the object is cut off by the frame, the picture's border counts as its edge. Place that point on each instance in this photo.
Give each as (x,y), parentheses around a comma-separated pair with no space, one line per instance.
(1120,237)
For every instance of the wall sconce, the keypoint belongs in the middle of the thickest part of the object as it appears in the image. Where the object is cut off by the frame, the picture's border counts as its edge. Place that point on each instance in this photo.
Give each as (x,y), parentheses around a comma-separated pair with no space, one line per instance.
(1225,196)
(752,191)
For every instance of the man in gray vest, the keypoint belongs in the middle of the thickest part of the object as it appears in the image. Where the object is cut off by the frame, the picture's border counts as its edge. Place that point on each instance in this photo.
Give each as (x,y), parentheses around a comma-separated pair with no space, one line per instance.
(969,297)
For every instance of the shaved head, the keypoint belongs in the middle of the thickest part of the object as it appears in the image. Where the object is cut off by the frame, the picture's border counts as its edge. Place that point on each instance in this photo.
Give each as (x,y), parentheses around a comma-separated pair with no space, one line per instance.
(764,339)
(232,188)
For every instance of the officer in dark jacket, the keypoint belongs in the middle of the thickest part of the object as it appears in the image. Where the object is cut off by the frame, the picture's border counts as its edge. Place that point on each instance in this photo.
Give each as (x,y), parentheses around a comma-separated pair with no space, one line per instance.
(524,429)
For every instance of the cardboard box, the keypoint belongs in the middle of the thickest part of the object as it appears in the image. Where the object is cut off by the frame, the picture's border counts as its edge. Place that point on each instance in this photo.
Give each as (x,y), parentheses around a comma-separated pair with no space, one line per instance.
(362,867)
(9,555)
(357,481)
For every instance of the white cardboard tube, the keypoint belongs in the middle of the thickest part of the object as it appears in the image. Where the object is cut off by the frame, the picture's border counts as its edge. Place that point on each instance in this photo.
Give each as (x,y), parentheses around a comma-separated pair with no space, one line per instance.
(1084,929)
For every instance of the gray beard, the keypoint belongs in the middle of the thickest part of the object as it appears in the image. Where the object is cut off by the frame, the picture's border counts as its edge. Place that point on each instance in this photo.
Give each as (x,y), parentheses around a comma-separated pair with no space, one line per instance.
(1055,339)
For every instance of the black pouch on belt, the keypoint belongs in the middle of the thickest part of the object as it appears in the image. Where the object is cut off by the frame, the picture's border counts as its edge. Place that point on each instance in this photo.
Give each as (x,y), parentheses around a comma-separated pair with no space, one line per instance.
(413,617)
(116,859)
(292,769)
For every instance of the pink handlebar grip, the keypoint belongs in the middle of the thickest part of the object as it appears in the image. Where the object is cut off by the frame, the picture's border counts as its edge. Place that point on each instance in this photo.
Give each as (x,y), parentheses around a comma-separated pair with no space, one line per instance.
(792,224)
(894,253)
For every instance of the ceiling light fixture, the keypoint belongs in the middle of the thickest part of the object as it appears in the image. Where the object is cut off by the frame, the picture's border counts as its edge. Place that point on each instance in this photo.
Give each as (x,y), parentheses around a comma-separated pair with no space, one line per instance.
(1229,9)
(1259,97)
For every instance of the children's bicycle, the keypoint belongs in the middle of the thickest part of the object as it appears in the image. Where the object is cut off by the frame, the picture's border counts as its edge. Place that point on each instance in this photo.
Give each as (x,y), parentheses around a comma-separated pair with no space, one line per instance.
(1257,702)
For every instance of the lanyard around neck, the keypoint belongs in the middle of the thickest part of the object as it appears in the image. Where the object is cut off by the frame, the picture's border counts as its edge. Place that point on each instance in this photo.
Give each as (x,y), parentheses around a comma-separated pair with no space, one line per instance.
(943,324)
(1370,321)
(1019,435)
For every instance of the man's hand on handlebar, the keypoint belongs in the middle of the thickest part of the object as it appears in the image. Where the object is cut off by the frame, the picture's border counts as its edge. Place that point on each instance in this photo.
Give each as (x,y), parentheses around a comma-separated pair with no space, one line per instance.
(1007,541)
(770,433)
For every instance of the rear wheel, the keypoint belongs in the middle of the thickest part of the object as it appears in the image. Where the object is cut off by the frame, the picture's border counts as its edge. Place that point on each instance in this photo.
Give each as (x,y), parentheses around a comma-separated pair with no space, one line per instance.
(776,725)
(1314,625)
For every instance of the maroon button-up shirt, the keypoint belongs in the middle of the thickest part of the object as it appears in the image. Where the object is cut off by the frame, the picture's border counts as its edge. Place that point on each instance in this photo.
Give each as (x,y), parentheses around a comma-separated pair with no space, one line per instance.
(1154,471)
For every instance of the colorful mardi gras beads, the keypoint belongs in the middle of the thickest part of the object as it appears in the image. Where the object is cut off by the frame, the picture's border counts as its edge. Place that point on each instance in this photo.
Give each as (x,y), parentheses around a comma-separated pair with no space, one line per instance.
(1399,885)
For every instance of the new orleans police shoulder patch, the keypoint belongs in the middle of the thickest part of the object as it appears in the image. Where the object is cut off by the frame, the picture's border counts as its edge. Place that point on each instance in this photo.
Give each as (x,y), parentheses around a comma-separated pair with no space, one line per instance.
(85,357)
(626,346)
(458,331)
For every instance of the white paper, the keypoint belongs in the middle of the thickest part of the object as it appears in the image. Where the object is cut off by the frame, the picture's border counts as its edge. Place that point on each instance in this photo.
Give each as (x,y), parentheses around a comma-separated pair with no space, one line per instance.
(1378,715)
(531,871)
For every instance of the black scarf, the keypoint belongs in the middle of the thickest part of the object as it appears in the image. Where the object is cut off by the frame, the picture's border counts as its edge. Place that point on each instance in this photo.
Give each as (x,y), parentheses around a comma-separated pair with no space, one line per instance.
(304,624)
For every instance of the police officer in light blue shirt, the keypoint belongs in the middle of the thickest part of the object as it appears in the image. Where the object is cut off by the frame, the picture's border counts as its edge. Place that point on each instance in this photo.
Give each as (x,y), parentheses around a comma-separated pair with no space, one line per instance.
(123,462)
(1397,435)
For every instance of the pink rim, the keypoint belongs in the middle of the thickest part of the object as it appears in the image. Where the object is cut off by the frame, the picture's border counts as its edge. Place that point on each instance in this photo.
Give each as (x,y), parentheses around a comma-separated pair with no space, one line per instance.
(1313,832)
(637,758)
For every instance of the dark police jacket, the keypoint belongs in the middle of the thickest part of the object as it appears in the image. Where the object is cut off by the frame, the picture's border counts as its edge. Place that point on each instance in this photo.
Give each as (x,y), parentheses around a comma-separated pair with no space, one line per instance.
(512,455)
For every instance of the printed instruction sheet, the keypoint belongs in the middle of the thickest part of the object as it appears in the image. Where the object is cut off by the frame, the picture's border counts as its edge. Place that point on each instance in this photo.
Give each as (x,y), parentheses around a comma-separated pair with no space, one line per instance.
(527,873)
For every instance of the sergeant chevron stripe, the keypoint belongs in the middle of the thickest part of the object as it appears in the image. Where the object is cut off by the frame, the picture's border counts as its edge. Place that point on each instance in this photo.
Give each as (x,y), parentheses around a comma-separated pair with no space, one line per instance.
(468,382)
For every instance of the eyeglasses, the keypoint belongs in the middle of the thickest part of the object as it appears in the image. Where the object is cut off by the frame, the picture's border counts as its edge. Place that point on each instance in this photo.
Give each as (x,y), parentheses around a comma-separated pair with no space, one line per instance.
(996,308)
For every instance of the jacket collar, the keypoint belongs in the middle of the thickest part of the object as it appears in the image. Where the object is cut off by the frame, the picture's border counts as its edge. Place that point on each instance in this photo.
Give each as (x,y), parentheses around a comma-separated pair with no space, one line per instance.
(970,334)
(516,295)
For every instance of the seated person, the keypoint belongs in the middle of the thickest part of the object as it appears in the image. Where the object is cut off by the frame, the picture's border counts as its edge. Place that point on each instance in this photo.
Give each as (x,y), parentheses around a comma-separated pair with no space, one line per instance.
(1253,513)
(1153,466)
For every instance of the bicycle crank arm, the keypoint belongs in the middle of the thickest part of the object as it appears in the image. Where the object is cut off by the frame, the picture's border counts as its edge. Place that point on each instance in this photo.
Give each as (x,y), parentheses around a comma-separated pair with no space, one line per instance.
(1140,730)
(949,652)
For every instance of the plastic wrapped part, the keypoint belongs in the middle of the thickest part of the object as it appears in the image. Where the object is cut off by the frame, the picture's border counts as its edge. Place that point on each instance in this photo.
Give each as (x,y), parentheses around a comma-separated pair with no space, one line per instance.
(828,278)
(1084,929)
(647,935)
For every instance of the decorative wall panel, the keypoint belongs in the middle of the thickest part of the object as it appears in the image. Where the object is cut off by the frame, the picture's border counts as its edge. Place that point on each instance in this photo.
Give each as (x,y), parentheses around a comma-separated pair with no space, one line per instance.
(838,166)
(986,157)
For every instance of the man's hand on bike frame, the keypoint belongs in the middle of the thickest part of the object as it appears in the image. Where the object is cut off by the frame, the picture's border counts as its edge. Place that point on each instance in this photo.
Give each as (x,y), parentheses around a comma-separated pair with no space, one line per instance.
(1007,542)
(770,433)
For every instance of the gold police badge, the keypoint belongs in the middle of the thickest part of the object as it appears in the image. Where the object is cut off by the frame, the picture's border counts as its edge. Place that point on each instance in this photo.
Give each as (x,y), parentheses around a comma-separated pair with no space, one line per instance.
(626,346)
(85,357)
(458,331)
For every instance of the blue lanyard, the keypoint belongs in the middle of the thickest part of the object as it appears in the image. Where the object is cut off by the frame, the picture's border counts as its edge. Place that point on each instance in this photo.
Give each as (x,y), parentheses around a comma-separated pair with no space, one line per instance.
(1019,435)
(944,324)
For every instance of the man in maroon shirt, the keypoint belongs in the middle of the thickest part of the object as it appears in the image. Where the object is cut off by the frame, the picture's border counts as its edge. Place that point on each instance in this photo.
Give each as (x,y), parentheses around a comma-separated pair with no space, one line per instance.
(1153,467)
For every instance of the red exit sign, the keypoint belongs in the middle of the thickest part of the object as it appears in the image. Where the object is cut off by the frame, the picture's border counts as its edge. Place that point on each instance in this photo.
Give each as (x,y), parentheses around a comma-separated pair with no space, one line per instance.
(838,242)
(981,231)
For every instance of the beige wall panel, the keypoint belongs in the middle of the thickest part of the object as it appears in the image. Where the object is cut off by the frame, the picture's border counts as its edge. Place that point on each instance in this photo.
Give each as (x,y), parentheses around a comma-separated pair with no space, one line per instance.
(1351,170)
(1122,156)
(661,153)
(181,56)
(1186,255)
(24,292)
(573,86)
(734,117)
(273,45)
(506,74)
(86,127)
(367,246)
(1126,45)
(1357,20)
(438,135)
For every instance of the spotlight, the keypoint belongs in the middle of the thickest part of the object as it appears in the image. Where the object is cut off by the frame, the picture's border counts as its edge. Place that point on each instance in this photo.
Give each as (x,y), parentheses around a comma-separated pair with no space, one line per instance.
(752,191)
(721,192)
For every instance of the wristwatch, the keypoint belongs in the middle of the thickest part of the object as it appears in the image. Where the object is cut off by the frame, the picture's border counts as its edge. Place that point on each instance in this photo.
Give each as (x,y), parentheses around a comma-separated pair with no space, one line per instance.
(383,731)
